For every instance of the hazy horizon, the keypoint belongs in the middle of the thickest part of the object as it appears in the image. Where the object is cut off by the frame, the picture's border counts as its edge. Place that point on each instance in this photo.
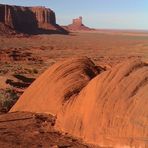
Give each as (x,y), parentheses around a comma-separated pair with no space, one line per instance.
(125,15)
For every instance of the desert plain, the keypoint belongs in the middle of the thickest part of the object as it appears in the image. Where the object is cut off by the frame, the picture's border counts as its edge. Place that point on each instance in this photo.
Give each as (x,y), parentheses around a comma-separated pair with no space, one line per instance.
(29,56)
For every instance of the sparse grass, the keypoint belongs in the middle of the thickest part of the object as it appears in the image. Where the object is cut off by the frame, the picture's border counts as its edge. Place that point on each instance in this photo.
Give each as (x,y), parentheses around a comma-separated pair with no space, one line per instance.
(7,99)
(32,71)
(35,71)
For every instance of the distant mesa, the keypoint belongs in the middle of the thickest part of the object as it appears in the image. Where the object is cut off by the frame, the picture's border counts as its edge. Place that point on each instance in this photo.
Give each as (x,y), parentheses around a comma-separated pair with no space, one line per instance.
(77,24)
(30,20)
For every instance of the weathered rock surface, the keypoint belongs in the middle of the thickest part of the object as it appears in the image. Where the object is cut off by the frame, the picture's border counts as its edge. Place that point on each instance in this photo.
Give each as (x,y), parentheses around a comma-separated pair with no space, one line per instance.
(112,109)
(61,82)
(25,130)
(4,29)
(109,109)
(77,24)
(29,19)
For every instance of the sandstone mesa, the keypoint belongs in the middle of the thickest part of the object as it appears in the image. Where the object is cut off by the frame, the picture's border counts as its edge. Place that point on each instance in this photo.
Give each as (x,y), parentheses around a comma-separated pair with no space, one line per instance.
(31,20)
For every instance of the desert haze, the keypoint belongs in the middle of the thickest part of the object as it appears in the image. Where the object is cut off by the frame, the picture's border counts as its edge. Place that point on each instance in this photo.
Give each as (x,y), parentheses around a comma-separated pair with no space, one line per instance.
(70,86)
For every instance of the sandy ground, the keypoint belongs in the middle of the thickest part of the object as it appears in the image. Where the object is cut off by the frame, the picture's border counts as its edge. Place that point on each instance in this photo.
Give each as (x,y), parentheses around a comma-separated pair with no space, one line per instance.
(35,131)
(47,49)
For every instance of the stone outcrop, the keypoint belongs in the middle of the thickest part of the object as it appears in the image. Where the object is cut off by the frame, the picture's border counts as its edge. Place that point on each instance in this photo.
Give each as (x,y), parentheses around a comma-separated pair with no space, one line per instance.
(6,30)
(29,19)
(78,21)
(106,108)
(77,24)
(73,73)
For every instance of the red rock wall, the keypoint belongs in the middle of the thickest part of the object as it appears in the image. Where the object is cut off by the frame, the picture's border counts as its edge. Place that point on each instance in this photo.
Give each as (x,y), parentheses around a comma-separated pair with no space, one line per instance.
(27,19)
(44,15)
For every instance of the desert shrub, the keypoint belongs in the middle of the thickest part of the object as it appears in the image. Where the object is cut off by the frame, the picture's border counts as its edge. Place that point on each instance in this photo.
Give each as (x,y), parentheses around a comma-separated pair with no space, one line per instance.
(29,71)
(7,99)
(11,94)
(35,71)
(4,71)
(32,71)
(1,101)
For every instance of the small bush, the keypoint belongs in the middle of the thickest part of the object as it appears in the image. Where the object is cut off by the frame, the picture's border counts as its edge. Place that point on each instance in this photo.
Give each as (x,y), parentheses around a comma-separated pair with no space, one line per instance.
(32,71)
(35,71)
(7,99)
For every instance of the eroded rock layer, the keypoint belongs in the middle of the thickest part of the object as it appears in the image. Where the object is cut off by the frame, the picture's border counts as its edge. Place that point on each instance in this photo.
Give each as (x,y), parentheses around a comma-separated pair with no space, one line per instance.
(61,82)
(28,19)
(112,109)
(108,108)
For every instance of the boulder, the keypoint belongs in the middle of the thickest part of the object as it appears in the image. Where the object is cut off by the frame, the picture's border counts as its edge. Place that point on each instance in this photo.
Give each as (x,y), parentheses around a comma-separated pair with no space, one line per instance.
(62,81)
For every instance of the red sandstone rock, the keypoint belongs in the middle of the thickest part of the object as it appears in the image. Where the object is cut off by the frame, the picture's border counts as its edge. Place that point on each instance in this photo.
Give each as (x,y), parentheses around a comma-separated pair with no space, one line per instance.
(65,79)
(109,109)
(29,19)
(77,24)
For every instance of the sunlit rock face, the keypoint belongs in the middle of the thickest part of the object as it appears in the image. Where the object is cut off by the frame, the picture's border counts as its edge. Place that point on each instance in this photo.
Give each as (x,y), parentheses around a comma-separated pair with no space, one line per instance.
(107,108)
(28,19)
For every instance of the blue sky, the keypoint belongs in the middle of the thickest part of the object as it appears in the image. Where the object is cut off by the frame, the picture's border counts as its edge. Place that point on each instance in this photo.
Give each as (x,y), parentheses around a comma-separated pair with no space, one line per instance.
(116,14)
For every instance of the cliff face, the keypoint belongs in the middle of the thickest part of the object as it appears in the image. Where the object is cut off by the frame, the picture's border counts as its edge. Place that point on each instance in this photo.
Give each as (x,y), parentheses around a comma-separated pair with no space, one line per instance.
(44,17)
(28,19)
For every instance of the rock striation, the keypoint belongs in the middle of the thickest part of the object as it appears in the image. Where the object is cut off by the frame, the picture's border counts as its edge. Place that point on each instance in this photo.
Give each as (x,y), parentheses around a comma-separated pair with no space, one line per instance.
(29,19)
(64,80)
(108,108)
(77,24)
